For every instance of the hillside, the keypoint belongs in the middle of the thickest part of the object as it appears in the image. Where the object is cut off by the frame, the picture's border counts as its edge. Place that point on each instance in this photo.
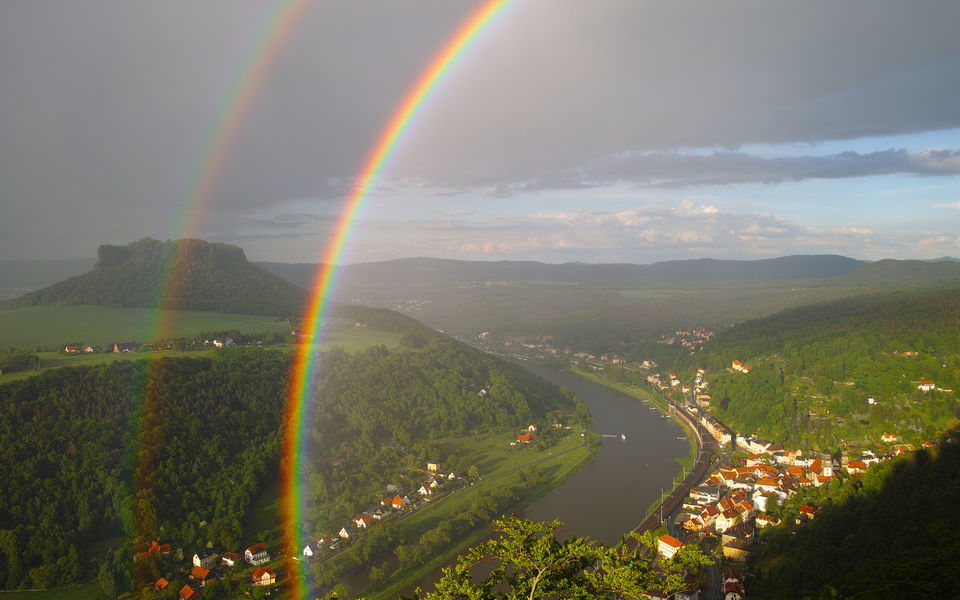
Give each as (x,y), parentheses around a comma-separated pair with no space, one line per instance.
(200,275)
(612,308)
(447,271)
(177,449)
(837,371)
(886,534)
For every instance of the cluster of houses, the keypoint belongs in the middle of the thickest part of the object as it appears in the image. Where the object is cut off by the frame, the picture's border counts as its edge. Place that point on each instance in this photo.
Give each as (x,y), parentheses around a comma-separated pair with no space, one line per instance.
(394,501)
(740,367)
(106,348)
(733,500)
(207,566)
(691,339)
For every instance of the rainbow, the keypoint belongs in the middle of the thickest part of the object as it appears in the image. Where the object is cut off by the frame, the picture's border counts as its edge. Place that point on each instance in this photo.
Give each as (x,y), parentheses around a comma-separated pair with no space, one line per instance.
(305,363)
(238,103)
(192,212)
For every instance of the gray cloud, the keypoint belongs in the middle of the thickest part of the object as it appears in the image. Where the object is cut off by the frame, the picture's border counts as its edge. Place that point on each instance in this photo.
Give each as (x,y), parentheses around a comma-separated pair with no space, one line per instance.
(728,168)
(109,107)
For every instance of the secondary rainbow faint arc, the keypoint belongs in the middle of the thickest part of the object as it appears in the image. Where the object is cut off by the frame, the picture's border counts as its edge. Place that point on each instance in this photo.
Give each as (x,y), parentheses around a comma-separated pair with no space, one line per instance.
(237,105)
(304,367)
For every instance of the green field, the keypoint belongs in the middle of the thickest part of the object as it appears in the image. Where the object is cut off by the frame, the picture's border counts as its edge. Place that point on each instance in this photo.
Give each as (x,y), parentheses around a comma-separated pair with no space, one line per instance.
(86,591)
(52,326)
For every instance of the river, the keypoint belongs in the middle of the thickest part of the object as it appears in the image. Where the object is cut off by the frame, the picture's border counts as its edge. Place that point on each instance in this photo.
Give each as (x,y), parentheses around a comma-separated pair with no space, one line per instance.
(610,495)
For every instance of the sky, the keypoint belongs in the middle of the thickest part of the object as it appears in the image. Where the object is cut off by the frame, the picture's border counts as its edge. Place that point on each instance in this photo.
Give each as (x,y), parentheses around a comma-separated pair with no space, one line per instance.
(602,131)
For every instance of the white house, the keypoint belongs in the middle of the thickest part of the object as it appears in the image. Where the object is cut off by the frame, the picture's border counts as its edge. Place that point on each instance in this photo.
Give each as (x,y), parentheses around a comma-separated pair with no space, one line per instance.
(256,554)
(667,545)
(204,558)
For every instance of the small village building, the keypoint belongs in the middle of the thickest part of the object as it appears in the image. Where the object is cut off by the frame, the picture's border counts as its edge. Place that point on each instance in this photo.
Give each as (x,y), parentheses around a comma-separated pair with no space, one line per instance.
(188,593)
(926,386)
(230,559)
(667,545)
(160,584)
(346,531)
(204,558)
(200,576)
(763,520)
(256,555)
(737,550)
(311,550)
(362,521)
(264,576)
(433,465)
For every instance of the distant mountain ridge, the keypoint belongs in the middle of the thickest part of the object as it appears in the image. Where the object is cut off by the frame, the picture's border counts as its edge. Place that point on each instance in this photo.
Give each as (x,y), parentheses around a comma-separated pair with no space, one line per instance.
(206,276)
(439,270)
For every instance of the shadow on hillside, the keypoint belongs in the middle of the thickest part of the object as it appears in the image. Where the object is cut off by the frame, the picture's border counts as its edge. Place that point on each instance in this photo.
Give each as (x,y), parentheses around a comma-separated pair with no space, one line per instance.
(888,534)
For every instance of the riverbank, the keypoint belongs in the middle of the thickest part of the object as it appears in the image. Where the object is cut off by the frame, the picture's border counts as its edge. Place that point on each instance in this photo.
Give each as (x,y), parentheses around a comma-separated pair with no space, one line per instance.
(568,466)
(603,498)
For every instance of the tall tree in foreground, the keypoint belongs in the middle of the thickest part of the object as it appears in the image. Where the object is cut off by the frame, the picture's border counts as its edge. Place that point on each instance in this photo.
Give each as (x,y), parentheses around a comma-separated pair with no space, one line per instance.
(533,561)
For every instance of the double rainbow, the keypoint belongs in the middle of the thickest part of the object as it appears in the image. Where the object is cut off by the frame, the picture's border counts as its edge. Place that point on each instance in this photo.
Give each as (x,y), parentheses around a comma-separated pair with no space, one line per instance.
(301,390)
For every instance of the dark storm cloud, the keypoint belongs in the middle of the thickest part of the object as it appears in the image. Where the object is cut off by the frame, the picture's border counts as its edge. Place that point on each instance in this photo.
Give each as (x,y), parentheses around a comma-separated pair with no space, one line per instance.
(108,107)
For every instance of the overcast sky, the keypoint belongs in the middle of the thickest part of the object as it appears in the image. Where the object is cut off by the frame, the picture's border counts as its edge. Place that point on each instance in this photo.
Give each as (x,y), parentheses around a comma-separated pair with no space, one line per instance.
(600,131)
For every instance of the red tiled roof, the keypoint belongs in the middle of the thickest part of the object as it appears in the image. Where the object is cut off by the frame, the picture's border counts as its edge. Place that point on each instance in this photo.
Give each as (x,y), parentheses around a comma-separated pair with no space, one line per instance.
(257,549)
(187,592)
(199,573)
(671,541)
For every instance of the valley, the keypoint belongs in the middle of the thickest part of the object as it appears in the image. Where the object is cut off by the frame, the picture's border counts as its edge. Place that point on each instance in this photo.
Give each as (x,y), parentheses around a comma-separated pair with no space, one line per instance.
(831,371)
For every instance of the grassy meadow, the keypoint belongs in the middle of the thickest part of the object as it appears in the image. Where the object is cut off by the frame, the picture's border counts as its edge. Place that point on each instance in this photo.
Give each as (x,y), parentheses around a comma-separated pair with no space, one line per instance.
(53,326)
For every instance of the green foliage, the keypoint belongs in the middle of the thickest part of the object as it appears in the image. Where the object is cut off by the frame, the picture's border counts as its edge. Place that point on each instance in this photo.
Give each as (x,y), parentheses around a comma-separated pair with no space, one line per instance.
(532,561)
(173,449)
(201,275)
(16,360)
(814,368)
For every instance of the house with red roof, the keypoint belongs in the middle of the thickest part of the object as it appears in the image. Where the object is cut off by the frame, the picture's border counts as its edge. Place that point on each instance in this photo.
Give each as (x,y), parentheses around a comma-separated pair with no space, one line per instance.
(256,555)
(926,386)
(362,521)
(160,584)
(188,593)
(856,466)
(528,437)
(399,502)
(667,545)
(264,576)
(230,558)
(200,575)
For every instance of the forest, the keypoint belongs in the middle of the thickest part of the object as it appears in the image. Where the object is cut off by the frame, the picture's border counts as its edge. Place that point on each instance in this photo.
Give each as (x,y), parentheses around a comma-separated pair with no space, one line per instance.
(101,460)
(125,452)
(377,408)
(841,369)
